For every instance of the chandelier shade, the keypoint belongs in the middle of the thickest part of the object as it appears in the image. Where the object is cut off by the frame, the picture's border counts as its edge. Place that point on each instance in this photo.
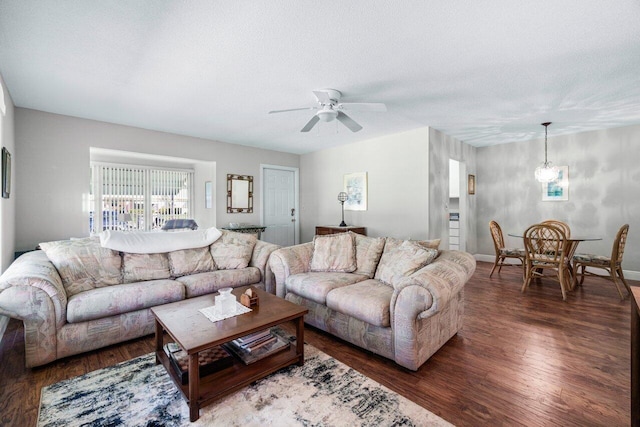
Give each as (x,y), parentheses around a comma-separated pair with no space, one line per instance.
(546,172)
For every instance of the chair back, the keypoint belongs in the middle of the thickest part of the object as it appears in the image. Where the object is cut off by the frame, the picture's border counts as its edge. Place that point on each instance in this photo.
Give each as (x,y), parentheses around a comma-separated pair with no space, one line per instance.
(545,243)
(496,234)
(618,244)
(561,225)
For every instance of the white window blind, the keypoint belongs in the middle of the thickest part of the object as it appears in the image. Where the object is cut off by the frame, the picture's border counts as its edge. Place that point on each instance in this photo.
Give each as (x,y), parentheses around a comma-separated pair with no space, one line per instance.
(126,197)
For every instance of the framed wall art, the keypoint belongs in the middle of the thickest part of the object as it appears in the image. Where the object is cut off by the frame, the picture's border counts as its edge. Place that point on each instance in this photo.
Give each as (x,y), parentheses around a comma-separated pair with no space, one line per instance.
(557,190)
(355,185)
(6,173)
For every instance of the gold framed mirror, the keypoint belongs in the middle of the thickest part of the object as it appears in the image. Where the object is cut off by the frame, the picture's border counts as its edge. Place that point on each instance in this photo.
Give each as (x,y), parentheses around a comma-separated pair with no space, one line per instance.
(239,193)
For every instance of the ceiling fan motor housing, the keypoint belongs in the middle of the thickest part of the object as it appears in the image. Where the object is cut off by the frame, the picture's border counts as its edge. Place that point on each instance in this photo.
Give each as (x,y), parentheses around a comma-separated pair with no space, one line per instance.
(327,114)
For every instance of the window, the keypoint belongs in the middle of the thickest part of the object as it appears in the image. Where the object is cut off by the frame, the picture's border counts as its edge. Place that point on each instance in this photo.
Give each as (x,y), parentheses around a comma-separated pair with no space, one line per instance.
(129,197)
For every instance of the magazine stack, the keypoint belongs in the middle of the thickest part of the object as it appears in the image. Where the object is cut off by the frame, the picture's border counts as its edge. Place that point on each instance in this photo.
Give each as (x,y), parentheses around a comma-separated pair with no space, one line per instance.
(256,346)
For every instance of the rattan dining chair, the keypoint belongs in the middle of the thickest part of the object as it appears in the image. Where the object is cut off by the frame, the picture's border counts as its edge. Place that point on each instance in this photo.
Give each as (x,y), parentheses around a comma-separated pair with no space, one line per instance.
(612,264)
(561,225)
(502,253)
(544,245)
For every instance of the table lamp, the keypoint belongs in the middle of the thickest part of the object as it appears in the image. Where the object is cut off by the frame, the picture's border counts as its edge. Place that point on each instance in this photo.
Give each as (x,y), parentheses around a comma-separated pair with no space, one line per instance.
(342,197)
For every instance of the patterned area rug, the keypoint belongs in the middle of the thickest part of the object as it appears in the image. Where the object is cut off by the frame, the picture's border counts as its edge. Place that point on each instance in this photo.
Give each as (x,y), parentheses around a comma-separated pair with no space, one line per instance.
(323,392)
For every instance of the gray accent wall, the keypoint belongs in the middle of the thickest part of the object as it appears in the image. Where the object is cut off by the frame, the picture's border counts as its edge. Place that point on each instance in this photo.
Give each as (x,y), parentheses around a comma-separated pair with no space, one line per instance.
(53,175)
(442,148)
(604,188)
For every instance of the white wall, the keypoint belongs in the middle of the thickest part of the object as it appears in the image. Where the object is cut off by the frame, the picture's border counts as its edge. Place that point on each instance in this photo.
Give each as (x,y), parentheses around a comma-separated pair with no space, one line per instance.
(52,170)
(8,206)
(398,180)
(604,189)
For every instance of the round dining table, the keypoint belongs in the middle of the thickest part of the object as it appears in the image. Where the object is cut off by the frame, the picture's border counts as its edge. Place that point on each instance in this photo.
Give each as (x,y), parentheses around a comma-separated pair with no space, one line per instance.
(572,245)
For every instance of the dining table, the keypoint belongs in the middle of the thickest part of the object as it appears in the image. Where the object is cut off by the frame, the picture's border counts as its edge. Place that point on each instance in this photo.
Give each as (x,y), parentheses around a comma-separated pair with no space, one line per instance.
(572,246)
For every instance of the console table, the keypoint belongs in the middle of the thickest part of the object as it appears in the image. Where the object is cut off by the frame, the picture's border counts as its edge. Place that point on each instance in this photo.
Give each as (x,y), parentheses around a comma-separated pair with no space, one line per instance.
(251,229)
(332,229)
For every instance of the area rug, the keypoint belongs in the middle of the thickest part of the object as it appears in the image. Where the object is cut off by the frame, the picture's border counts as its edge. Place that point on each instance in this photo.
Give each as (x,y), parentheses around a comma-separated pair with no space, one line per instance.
(323,392)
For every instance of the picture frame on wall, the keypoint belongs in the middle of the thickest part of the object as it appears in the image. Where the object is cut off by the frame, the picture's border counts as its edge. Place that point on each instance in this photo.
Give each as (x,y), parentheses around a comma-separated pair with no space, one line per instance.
(471,184)
(355,185)
(6,173)
(557,190)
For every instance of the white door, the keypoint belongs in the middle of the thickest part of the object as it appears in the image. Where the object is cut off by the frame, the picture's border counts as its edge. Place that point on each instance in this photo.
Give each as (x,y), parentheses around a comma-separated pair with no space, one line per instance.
(279,206)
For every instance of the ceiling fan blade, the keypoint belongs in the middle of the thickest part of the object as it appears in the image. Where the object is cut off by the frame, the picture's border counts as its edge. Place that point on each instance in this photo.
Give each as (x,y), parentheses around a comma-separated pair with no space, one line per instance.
(363,106)
(292,109)
(323,97)
(310,124)
(349,122)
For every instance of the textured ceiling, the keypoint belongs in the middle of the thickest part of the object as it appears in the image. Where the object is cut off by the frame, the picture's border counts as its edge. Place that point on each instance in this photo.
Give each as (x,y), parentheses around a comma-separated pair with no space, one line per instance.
(483,72)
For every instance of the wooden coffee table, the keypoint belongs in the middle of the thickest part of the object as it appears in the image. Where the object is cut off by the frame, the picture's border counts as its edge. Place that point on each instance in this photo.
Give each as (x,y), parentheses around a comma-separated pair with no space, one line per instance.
(193,332)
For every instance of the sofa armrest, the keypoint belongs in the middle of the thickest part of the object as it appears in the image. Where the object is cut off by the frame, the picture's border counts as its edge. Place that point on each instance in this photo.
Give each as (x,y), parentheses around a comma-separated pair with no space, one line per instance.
(260,259)
(436,289)
(442,279)
(288,261)
(31,290)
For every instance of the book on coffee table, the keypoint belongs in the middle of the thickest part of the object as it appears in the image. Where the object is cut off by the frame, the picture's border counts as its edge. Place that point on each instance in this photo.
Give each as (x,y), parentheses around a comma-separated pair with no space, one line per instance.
(274,344)
(211,360)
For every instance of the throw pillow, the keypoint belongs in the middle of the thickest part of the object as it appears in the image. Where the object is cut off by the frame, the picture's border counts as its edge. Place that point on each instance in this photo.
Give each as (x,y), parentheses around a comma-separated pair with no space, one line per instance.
(83,264)
(190,261)
(334,252)
(429,244)
(233,250)
(368,253)
(403,261)
(141,267)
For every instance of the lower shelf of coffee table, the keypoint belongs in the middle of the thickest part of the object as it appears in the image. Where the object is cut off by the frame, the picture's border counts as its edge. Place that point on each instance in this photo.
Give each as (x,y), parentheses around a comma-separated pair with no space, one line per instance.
(218,384)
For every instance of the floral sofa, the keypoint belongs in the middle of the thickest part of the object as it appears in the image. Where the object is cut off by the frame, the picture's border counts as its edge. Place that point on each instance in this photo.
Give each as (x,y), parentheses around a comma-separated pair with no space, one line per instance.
(400,299)
(77,295)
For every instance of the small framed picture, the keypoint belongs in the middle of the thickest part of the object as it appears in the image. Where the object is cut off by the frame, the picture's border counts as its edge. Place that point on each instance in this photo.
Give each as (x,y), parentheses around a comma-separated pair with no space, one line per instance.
(557,190)
(471,184)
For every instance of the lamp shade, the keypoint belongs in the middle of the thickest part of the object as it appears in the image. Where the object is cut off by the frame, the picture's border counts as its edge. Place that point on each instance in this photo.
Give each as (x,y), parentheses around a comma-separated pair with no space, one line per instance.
(546,172)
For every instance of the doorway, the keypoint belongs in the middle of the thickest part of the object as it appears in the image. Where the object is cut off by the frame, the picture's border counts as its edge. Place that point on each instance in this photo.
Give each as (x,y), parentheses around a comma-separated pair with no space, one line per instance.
(280,205)
(457,205)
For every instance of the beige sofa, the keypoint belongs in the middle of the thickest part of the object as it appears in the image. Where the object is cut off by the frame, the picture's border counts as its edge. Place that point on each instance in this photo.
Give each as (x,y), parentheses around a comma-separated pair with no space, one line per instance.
(76,295)
(400,299)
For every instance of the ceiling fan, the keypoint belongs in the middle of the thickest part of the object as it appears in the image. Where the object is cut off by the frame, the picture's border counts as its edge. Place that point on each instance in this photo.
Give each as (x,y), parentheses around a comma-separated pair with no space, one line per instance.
(329,108)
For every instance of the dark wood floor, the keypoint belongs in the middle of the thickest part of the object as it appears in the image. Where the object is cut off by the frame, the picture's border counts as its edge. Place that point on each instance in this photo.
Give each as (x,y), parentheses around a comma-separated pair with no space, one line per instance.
(521,359)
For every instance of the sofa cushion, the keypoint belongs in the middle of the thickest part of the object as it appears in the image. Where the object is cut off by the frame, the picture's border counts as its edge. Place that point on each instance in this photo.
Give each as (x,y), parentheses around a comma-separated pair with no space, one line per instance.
(141,267)
(190,261)
(83,264)
(206,283)
(368,301)
(315,286)
(368,253)
(403,261)
(114,300)
(233,250)
(334,252)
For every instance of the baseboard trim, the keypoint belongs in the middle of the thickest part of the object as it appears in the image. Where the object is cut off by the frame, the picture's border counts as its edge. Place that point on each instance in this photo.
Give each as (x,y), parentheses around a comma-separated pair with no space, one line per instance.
(628,274)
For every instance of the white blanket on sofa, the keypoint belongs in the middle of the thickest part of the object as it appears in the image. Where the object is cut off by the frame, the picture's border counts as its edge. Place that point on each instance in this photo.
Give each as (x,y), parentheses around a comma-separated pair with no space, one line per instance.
(140,242)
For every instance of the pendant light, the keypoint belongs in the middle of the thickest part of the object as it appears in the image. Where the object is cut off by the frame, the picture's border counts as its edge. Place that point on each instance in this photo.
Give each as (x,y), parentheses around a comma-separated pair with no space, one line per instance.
(546,172)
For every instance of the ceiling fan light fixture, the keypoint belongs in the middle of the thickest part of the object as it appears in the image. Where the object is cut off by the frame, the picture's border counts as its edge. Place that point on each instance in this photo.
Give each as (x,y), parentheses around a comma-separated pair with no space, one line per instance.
(546,172)
(327,115)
